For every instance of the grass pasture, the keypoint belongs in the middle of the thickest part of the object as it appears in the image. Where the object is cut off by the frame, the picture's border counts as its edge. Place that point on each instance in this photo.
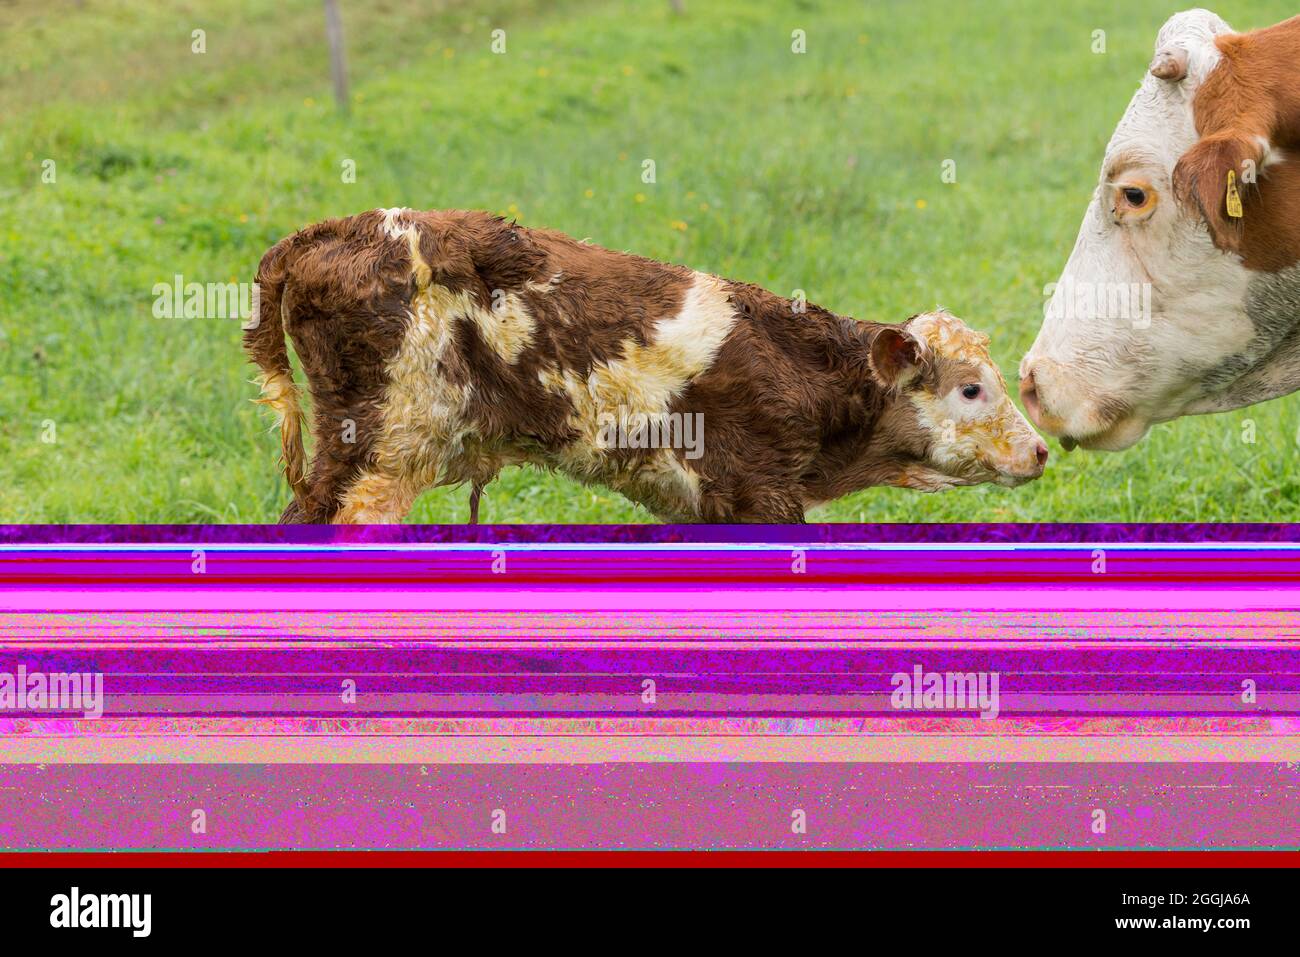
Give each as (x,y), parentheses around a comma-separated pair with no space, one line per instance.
(818,171)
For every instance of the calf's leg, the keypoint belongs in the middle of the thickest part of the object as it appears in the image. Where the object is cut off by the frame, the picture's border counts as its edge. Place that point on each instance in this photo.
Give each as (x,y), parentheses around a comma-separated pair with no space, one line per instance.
(325,485)
(745,504)
(376,498)
(293,514)
(336,470)
(771,513)
(475,494)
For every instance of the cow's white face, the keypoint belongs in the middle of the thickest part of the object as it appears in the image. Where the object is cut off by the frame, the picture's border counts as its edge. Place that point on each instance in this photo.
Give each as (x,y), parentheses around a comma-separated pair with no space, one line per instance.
(1150,320)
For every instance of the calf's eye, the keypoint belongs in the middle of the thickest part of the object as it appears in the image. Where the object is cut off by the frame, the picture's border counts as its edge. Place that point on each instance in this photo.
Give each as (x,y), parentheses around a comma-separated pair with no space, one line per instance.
(970,392)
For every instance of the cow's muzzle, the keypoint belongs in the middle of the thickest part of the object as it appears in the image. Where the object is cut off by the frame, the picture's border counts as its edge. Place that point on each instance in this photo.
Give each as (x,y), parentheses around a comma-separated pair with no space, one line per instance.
(1063,408)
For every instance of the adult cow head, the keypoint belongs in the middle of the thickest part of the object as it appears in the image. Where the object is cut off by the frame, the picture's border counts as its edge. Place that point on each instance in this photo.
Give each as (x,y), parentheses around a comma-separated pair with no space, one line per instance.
(1182,294)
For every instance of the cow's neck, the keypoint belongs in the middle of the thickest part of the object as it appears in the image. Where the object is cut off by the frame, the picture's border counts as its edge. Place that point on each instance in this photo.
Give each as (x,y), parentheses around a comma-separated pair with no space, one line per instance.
(1270,366)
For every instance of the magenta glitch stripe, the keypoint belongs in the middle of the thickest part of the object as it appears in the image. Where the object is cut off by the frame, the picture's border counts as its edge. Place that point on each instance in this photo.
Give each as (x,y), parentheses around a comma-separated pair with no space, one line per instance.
(303,727)
(1058,533)
(738,686)
(746,805)
(679,703)
(609,658)
(1057,598)
(803,628)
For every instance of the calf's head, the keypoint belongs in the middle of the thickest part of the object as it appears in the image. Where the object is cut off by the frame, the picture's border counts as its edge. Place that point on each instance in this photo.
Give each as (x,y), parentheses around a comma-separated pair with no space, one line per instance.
(953,417)
(1182,295)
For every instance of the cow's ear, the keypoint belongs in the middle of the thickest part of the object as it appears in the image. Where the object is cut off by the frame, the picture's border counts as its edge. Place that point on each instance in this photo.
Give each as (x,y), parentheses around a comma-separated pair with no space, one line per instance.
(898,358)
(1170,63)
(1215,177)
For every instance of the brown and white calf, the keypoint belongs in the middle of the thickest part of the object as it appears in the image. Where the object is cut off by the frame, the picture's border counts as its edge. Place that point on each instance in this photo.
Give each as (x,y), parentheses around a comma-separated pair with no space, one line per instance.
(1182,294)
(441,347)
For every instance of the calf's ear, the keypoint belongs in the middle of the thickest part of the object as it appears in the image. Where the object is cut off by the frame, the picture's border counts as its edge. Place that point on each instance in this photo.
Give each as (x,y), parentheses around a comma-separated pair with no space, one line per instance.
(504,255)
(898,358)
(483,253)
(1202,181)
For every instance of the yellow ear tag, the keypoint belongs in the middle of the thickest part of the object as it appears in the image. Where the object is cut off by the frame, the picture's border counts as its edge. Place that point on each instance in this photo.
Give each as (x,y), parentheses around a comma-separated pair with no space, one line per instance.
(1234,197)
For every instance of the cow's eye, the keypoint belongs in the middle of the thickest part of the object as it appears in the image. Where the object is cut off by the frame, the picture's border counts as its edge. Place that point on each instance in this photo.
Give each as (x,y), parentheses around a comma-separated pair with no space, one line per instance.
(1134,196)
(970,392)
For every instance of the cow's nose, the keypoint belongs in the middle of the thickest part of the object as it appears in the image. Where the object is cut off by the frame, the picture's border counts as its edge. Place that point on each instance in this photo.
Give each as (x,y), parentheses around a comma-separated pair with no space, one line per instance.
(1030,398)
(1029,394)
(1041,452)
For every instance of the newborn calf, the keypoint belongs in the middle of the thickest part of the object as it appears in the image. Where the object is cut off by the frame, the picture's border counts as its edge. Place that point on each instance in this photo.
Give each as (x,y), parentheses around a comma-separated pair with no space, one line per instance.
(441,347)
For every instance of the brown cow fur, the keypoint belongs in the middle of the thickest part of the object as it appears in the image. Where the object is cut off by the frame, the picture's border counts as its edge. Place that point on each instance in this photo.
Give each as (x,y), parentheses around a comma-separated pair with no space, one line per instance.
(1252,95)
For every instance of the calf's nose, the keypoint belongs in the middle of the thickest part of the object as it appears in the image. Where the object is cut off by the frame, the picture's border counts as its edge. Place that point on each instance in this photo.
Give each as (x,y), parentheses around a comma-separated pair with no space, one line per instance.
(1041,452)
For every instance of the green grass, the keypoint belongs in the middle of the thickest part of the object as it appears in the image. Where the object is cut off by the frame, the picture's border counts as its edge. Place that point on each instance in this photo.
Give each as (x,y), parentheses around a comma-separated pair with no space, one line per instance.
(818,171)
